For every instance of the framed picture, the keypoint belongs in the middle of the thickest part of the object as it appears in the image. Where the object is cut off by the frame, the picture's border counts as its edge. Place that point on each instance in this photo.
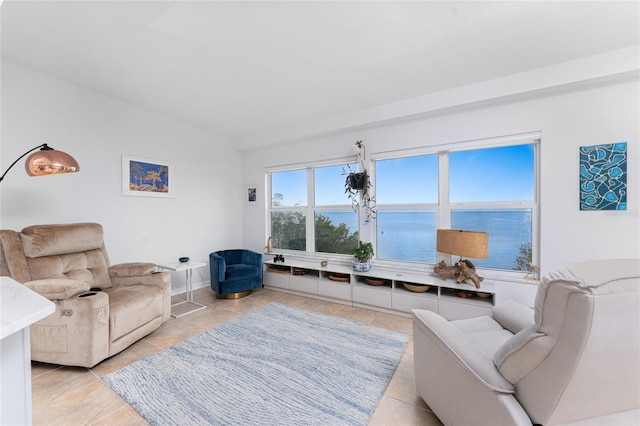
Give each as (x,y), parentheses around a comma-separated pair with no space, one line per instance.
(603,177)
(142,177)
(251,195)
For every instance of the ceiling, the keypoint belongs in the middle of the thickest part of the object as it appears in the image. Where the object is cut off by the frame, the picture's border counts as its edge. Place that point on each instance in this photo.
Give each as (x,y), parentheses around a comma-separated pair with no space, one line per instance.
(241,69)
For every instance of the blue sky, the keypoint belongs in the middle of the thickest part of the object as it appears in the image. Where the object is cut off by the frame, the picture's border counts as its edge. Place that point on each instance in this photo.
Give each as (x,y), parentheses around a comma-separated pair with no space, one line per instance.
(497,174)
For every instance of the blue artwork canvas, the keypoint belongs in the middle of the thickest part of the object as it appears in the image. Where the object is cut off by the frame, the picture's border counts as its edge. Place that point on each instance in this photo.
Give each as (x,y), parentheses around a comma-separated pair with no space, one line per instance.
(603,177)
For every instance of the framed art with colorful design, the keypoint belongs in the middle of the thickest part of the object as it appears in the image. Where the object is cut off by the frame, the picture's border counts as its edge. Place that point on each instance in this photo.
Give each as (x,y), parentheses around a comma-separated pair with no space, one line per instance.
(603,177)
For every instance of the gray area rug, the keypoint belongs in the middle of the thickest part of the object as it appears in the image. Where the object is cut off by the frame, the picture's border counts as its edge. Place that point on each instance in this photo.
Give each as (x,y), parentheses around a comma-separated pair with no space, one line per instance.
(276,365)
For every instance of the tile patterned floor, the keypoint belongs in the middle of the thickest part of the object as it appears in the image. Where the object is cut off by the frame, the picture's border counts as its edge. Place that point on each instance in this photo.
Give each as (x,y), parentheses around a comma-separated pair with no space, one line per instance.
(78,396)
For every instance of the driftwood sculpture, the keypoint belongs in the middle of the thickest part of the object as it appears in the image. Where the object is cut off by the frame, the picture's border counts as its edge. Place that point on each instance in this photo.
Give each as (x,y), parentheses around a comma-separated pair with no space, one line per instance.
(468,272)
(463,271)
(443,270)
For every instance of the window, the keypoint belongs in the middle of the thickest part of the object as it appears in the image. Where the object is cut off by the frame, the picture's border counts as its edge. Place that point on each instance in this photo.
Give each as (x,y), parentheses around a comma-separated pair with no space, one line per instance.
(288,210)
(467,186)
(334,224)
(407,203)
(492,190)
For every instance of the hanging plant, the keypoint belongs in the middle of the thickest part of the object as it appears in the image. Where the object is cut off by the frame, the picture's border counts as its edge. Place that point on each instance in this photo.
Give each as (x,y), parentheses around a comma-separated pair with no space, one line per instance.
(357,184)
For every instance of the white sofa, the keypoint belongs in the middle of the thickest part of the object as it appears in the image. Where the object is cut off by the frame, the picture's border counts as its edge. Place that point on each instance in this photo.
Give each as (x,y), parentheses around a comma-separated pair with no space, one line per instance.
(574,358)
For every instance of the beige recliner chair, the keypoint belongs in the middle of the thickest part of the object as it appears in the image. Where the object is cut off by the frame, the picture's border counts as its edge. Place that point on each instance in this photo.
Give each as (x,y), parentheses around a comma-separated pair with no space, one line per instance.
(100,309)
(575,356)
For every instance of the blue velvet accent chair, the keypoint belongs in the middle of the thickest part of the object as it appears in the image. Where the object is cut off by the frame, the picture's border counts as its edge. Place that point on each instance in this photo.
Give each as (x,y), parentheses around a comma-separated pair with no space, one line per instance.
(234,273)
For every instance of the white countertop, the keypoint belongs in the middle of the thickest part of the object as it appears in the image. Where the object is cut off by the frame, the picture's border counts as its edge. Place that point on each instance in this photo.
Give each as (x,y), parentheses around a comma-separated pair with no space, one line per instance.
(20,306)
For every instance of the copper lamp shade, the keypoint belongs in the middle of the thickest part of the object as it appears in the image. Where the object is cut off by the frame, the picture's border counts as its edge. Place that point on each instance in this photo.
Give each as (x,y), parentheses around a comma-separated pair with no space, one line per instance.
(49,161)
(471,244)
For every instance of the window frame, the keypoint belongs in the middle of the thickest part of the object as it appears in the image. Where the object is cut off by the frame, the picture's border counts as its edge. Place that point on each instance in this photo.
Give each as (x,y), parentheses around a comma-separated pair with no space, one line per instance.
(443,208)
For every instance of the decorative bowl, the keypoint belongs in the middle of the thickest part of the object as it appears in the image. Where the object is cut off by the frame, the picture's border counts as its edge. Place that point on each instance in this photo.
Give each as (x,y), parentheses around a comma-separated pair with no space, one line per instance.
(374,281)
(418,288)
(183,259)
(339,277)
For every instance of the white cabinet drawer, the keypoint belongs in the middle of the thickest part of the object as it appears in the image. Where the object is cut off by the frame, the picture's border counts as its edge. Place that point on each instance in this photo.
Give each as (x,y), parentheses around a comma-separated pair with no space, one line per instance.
(407,302)
(276,279)
(303,283)
(334,289)
(372,296)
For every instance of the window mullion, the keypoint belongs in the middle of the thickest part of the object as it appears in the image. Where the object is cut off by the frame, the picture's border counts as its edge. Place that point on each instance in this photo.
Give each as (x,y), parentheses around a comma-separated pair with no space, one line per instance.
(443,218)
(311,209)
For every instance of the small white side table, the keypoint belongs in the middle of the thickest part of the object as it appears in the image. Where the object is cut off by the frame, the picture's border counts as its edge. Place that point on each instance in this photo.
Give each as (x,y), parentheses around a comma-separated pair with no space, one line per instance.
(188,267)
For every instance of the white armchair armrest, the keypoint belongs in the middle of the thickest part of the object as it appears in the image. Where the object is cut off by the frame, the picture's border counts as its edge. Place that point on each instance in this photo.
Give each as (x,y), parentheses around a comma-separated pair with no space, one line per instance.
(454,343)
(513,316)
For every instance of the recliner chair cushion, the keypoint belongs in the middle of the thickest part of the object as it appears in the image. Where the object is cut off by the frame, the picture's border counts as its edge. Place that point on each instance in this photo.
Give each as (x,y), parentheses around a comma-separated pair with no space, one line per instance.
(89,266)
(50,240)
(132,307)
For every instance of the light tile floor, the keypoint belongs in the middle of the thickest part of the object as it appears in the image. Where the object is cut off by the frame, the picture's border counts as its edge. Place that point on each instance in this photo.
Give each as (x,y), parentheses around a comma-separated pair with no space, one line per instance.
(78,396)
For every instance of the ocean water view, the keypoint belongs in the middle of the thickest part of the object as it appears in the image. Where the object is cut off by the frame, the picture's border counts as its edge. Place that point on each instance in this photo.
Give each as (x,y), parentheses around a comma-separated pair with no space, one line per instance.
(411,235)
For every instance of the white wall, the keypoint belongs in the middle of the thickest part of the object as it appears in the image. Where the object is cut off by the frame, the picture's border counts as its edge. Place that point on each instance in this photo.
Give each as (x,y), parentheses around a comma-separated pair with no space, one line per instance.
(97,131)
(567,121)
(210,182)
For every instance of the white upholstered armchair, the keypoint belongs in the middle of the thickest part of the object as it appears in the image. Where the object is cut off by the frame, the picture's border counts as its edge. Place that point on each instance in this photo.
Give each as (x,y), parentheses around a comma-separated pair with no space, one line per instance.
(574,357)
(101,308)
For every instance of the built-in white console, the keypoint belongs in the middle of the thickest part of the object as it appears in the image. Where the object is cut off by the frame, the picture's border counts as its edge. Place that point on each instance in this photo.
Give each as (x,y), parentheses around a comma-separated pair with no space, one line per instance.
(394,290)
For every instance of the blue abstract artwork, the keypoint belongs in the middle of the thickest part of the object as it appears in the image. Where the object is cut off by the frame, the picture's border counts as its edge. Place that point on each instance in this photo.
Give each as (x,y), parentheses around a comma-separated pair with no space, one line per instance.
(603,177)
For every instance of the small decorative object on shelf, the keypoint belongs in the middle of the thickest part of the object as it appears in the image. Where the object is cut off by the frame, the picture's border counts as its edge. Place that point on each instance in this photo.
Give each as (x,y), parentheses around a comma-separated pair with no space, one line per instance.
(183,259)
(362,257)
(268,246)
(278,258)
(324,263)
(533,272)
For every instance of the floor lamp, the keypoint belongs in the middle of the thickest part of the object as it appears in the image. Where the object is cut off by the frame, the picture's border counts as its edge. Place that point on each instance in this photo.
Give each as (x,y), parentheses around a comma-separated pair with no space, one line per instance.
(47,161)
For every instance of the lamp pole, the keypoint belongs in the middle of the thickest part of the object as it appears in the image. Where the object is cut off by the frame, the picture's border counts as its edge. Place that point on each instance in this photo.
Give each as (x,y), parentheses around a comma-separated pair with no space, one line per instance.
(44,147)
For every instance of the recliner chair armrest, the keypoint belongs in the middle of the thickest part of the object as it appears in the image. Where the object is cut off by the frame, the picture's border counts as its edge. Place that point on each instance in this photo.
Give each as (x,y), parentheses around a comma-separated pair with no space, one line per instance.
(139,273)
(135,269)
(513,316)
(454,343)
(57,288)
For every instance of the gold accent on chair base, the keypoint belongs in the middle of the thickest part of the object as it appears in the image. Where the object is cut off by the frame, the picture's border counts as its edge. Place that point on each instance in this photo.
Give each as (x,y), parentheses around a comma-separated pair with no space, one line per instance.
(237,295)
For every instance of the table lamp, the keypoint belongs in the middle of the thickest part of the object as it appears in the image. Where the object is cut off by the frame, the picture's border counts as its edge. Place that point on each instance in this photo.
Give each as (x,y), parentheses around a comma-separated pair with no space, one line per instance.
(461,243)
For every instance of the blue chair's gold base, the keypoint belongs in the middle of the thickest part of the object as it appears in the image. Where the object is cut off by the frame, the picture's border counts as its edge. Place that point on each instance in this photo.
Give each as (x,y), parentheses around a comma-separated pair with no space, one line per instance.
(237,295)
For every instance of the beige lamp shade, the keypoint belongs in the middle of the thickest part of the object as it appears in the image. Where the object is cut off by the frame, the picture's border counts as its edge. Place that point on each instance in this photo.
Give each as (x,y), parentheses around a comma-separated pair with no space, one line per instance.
(49,161)
(461,243)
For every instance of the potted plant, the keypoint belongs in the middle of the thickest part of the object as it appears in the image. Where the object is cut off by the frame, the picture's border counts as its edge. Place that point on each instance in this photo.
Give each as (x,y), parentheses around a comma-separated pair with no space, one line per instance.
(357,184)
(362,256)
